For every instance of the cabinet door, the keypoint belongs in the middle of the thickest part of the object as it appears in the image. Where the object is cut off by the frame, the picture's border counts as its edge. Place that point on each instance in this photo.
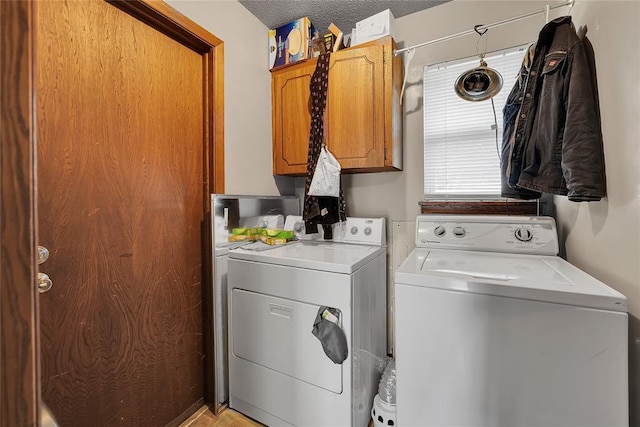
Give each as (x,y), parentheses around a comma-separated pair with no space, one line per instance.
(291,118)
(356,108)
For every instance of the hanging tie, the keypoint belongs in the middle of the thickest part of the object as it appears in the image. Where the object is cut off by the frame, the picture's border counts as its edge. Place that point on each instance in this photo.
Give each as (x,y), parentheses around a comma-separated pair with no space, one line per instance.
(320,210)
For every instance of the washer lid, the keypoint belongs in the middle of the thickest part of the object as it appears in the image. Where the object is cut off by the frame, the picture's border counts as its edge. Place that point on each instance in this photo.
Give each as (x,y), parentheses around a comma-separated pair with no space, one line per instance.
(342,258)
(532,277)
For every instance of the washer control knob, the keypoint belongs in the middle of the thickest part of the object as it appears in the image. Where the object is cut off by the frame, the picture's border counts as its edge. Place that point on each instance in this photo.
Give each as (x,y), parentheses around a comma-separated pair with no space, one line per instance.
(367,231)
(354,229)
(298,227)
(523,234)
(459,232)
(440,231)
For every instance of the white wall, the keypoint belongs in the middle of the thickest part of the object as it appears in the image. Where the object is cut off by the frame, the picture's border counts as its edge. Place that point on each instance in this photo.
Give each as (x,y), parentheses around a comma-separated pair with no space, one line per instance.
(247,97)
(604,238)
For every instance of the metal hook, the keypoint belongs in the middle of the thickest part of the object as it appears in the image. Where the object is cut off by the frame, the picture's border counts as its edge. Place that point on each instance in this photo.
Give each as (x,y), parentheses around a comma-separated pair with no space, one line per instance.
(481,33)
(476,28)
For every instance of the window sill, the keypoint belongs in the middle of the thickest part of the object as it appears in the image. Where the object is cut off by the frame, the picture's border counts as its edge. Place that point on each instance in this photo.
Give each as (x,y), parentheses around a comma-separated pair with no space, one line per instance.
(493,207)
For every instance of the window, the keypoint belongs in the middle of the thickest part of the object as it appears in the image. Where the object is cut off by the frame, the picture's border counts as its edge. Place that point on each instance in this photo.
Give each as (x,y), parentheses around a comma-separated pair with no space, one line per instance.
(461,155)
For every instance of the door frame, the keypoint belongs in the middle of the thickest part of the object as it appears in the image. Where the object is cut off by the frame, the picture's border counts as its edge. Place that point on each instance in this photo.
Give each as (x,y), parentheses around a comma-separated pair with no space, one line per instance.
(19,331)
(19,344)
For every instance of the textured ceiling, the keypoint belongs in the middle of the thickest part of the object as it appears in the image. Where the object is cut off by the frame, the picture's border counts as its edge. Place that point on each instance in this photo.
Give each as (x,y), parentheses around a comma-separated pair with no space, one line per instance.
(343,13)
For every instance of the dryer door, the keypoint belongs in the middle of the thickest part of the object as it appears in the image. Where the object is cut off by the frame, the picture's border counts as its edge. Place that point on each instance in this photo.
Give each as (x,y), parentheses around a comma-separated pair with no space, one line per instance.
(276,333)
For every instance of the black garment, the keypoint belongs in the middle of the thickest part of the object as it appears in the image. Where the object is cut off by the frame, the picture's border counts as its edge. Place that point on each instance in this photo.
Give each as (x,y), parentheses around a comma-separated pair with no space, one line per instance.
(320,210)
(556,144)
(510,113)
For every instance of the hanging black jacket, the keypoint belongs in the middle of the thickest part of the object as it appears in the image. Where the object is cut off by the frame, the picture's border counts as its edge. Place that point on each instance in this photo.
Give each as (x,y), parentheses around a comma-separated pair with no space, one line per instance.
(555,145)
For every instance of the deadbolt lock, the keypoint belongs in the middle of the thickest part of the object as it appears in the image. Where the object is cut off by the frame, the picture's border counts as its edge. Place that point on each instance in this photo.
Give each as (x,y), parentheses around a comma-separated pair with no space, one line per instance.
(43,254)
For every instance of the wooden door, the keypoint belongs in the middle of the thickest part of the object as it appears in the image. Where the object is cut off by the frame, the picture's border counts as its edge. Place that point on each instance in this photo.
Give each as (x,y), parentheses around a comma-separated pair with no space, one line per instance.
(291,118)
(124,114)
(355,131)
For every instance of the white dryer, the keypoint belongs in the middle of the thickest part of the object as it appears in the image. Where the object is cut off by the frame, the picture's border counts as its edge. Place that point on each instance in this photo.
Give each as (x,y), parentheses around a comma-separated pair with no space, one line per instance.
(494,329)
(278,371)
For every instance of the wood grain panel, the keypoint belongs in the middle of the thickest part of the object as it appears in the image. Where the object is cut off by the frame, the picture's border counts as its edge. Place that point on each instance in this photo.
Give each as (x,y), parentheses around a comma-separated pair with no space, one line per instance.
(172,23)
(364,115)
(204,417)
(291,117)
(164,18)
(159,15)
(18,318)
(214,89)
(510,207)
(121,125)
(394,113)
(355,125)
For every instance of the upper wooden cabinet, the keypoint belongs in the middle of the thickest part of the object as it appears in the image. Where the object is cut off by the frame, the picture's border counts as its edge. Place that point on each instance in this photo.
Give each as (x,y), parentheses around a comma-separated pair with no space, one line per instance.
(363,119)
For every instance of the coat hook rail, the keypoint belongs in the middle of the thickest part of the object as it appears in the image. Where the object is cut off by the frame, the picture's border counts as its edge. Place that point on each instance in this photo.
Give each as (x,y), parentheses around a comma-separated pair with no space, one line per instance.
(486,27)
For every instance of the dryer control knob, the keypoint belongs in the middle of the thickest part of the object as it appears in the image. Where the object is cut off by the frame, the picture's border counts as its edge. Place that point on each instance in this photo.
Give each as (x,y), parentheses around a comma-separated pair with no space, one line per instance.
(440,231)
(367,231)
(354,229)
(523,234)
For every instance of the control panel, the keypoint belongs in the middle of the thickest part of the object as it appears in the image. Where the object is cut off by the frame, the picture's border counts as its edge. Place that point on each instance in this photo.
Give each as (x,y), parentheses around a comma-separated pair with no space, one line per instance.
(530,235)
(366,231)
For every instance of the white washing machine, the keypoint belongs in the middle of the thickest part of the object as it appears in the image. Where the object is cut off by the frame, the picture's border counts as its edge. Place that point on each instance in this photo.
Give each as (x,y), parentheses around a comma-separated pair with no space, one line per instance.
(494,329)
(278,371)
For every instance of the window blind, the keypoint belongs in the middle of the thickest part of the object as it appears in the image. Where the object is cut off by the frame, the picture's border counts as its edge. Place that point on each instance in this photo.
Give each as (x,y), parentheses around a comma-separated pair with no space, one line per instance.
(461,157)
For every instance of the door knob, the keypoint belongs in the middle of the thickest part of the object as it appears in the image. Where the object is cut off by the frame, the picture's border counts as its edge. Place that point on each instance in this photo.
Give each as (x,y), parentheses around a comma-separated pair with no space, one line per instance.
(44,283)
(43,254)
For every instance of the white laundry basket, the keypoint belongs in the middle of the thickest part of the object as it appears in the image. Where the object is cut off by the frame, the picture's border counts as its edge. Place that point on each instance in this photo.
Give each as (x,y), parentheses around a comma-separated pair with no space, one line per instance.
(382,413)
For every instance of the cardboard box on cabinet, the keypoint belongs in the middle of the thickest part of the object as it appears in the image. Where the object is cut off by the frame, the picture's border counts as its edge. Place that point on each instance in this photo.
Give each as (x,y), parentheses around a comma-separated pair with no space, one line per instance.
(373,28)
(292,43)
